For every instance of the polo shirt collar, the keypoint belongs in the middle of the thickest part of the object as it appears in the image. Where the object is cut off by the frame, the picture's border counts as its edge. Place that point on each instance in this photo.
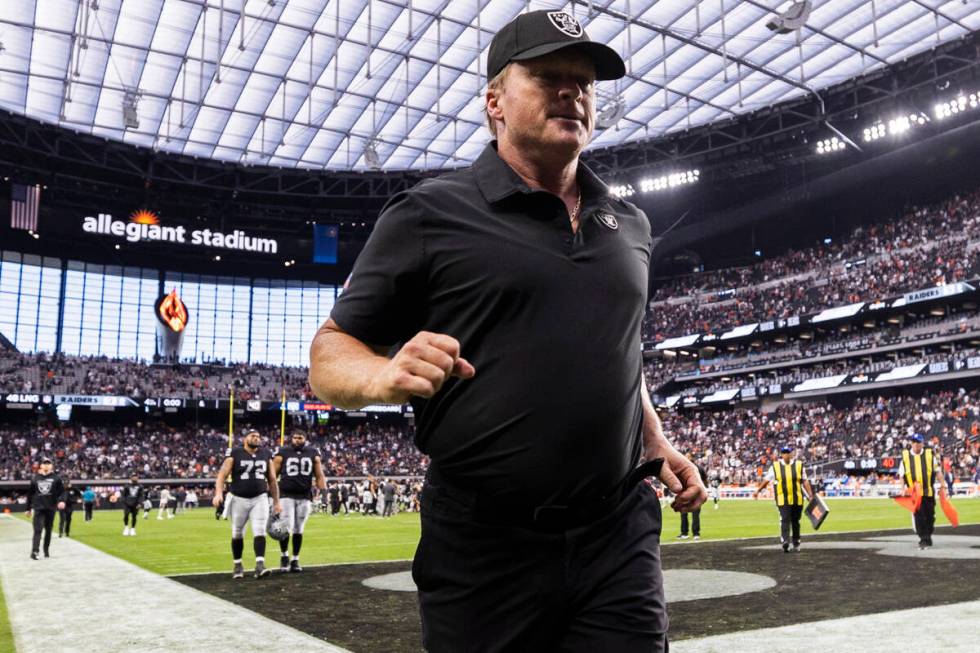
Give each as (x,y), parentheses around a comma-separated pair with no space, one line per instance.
(497,180)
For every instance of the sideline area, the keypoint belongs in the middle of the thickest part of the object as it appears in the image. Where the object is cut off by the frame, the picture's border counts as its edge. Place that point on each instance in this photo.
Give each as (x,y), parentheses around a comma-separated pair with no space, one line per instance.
(81,599)
(117,606)
(949,628)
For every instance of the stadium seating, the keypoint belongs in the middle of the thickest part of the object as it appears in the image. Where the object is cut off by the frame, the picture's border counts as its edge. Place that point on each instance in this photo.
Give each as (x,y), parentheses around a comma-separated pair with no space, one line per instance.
(99,375)
(160,451)
(804,353)
(740,442)
(928,246)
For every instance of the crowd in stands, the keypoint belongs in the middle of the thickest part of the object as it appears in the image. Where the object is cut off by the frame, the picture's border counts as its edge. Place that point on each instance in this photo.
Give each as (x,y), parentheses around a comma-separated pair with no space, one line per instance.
(788,377)
(663,369)
(99,375)
(161,451)
(369,449)
(926,247)
(740,443)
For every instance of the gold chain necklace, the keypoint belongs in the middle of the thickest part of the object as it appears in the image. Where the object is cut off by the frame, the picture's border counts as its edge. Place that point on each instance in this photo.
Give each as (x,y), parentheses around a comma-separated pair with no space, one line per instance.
(578,206)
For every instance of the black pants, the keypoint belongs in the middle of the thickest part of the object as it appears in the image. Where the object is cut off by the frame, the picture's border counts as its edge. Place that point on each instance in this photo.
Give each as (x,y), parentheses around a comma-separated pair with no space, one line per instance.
(925,520)
(88,510)
(64,521)
(487,587)
(695,523)
(789,519)
(130,511)
(43,521)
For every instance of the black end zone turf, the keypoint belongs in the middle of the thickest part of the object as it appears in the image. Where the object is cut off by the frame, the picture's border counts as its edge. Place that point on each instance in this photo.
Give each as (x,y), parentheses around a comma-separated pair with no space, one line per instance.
(332,604)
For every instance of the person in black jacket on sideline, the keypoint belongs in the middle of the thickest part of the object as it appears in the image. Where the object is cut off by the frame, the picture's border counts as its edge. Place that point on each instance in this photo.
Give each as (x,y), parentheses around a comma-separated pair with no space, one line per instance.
(44,497)
(72,498)
(132,497)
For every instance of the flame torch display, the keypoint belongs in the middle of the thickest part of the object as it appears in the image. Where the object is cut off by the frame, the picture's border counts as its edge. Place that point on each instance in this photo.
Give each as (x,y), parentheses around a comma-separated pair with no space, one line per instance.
(172,318)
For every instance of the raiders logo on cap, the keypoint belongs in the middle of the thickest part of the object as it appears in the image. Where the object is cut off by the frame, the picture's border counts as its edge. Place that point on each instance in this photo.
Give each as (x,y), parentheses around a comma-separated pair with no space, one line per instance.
(608,219)
(565,23)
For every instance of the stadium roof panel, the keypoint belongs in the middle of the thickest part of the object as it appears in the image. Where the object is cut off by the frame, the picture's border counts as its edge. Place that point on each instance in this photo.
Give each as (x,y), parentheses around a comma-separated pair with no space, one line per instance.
(398,84)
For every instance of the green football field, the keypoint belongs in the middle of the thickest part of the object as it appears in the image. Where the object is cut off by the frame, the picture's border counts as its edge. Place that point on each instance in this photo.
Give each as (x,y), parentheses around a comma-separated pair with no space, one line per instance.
(6,636)
(194,542)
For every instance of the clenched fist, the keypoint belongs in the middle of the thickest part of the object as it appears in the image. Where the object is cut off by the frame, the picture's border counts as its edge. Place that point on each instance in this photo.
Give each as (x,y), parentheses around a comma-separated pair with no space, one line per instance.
(420,368)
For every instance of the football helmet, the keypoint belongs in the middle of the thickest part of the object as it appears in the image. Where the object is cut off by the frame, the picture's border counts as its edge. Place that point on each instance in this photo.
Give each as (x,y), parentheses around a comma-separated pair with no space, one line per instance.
(278,529)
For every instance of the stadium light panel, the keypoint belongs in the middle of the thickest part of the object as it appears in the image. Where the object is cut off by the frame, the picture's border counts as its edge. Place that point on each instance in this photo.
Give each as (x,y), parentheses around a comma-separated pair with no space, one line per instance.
(832,144)
(961,103)
(894,126)
(673,180)
(622,190)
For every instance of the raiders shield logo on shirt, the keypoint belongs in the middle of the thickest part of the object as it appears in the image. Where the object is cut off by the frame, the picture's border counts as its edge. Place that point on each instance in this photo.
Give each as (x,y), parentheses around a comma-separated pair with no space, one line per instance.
(607,219)
(565,23)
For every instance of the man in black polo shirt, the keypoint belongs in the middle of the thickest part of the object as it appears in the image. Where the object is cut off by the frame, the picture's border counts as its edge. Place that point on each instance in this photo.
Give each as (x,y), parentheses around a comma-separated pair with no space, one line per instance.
(516,290)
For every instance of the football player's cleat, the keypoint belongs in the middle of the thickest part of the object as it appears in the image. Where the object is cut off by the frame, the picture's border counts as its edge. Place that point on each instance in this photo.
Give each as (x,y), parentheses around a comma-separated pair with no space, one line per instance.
(294,566)
(239,571)
(277,529)
(260,570)
(284,563)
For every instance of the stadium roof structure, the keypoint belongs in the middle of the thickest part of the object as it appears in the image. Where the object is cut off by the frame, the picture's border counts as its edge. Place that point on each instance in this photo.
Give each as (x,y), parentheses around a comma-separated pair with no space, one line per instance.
(342,85)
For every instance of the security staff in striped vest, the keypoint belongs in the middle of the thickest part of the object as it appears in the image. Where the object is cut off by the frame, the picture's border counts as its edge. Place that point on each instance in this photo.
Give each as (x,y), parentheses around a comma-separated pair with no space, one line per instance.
(789,482)
(919,465)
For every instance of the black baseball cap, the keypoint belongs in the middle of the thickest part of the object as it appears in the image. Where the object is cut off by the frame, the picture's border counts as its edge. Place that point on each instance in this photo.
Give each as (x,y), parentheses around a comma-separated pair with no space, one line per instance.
(45,459)
(537,33)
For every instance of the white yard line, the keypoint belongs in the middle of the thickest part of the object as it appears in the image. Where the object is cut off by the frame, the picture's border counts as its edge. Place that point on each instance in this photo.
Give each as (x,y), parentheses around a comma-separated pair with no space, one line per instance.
(947,628)
(82,600)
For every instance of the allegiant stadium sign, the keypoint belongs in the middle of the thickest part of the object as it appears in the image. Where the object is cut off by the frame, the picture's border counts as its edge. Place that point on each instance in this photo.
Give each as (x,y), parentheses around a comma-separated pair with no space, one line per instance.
(144,226)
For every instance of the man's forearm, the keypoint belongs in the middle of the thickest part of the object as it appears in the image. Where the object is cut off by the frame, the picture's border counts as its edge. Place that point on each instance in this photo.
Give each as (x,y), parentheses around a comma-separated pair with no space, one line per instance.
(342,368)
(653,430)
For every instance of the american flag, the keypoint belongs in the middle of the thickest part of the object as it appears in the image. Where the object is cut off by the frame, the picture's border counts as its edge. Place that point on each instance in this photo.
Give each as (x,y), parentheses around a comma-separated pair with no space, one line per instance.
(24,202)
